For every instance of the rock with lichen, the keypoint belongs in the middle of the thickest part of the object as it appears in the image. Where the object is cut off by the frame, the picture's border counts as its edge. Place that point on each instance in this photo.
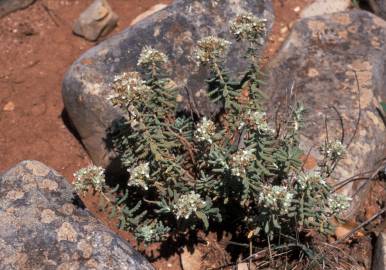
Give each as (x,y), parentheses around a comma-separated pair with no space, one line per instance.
(335,66)
(175,31)
(44,226)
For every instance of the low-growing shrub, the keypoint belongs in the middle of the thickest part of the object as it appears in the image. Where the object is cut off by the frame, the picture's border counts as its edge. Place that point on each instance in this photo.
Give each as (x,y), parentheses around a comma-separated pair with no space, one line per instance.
(189,171)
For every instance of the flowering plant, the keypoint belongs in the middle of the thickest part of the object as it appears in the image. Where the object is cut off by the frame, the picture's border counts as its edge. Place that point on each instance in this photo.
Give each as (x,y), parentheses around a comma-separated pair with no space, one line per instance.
(188,171)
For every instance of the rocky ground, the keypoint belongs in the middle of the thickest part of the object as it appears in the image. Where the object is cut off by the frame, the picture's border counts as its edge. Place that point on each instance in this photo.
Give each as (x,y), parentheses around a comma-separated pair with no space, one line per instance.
(319,54)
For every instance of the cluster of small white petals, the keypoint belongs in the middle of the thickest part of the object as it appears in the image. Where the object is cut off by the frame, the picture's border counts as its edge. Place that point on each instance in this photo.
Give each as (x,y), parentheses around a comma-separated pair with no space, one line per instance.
(338,203)
(150,57)
(334,150)
(128,87)
(241,160)
(206,129)
(276,198)
(211,49)
(309,179)
(188,204)
(139,175)
(259,119)
(249,27)
(91,175)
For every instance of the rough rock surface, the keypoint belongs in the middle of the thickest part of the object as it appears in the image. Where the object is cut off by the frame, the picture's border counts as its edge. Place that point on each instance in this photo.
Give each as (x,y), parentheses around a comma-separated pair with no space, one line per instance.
(379,257)
(96,21)
(8,6)
(175,31)
(320,58)
(322,7)
(42,228)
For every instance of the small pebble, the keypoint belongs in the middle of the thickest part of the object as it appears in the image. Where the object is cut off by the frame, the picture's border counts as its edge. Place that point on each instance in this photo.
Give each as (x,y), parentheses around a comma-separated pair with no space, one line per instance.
(9,107)
(297,9)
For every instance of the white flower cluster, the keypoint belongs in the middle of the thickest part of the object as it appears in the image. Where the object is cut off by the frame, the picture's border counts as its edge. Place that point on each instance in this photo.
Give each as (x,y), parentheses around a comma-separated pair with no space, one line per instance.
(188,204)
(150,58)
(241,160)
(260,120)
(276,198)
(338,203)
(128,87)
(210,49)
(205,130)
(249,27)
(309,179)
(139,175)
(91,175)
(333,150)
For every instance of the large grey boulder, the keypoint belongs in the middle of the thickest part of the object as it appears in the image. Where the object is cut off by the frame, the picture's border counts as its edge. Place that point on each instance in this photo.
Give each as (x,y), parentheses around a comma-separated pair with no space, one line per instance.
(320,59)
(175,31)
(8,6)
(42,228)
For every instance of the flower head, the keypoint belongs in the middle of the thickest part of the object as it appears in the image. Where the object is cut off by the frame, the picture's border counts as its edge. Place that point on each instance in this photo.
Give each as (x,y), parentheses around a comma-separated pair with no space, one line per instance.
(259,119)
(309,180)
(139,175)
(241,160)
(153,232)
(277,198)
(128,87)
(338,203)
(211,49)
(188,204)
(91,175)
(205,130)
(150,58)
(333,150)
(249,27)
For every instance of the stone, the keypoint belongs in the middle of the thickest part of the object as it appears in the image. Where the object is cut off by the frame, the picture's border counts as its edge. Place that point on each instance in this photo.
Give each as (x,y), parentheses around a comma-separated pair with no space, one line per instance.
(96,21)
(45,226)
(320,59)
(9,106)
(322,7)
(191,260)
(8,6)
(379,254)
(148,12)
(173,30)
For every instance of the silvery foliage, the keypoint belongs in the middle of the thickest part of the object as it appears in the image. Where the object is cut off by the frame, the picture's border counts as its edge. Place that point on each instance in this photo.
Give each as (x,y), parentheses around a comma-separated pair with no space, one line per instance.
(188,171)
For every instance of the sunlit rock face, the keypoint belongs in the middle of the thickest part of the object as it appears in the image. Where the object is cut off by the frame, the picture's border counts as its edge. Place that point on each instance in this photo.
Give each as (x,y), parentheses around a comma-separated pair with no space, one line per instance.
(335,66)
